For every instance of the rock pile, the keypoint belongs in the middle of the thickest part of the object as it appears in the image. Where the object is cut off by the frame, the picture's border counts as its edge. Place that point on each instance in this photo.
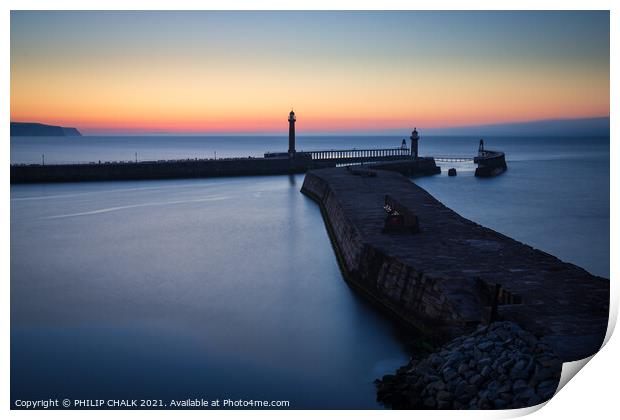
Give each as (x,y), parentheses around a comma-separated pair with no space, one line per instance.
(498,366)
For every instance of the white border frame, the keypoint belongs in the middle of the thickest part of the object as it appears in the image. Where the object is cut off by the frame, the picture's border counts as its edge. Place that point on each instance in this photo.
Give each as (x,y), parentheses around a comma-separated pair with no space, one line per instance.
(592,394)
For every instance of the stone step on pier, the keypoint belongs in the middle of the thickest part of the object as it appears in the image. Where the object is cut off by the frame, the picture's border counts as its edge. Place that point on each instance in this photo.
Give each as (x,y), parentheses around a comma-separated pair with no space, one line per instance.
(443,280)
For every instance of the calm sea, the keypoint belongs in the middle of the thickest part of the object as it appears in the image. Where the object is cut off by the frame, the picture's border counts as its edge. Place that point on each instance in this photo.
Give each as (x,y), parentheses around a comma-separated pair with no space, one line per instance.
(229,288)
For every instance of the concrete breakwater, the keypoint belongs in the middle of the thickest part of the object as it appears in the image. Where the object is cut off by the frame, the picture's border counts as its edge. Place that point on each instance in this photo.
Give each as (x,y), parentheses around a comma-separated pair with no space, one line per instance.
(190,168)
(201,168)
(455,275)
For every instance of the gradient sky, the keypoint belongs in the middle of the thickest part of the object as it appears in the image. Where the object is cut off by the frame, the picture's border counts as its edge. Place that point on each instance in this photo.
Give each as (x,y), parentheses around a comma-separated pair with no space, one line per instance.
(213,72)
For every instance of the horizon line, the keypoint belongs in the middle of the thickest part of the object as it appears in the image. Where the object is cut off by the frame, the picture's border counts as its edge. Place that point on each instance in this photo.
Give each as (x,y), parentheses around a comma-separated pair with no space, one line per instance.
(383,131)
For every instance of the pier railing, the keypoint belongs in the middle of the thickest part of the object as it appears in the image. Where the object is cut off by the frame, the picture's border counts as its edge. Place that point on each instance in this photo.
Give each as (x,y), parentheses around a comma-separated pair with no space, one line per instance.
(396,152)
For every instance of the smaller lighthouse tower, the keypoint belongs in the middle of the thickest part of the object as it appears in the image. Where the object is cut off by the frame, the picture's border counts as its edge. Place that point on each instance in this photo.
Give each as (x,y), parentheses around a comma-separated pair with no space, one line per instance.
(415,138)
(291,134)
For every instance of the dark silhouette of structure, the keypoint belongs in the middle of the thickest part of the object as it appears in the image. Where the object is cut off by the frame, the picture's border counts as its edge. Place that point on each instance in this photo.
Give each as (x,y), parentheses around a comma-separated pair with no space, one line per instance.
(490,163)
(415,138)
(291,134)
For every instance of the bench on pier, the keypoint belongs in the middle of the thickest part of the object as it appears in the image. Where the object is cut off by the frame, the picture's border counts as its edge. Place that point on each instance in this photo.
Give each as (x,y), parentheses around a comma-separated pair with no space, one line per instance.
(399,218)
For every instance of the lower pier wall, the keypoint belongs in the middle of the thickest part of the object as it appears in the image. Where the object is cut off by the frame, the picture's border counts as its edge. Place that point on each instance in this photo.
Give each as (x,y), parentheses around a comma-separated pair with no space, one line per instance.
(159,170)
(203,168)
(410,167)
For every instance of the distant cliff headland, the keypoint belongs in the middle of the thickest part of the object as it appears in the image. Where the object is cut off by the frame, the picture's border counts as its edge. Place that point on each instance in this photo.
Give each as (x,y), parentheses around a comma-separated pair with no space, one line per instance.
(36,129)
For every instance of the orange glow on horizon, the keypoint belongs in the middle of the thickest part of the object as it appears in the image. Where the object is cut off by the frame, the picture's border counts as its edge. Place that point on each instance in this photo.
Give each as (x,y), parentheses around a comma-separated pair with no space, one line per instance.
(244,78)
(337,102)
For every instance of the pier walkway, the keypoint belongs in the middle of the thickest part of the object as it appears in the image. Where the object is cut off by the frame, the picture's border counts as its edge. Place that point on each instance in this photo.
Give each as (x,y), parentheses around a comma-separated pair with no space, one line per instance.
(450,275)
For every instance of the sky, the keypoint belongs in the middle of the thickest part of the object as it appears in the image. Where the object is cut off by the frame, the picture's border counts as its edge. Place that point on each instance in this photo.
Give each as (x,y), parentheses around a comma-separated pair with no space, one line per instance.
(109,72)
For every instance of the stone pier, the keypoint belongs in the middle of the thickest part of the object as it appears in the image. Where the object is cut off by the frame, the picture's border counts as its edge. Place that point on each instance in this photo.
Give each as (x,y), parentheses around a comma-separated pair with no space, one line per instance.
(454,275)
